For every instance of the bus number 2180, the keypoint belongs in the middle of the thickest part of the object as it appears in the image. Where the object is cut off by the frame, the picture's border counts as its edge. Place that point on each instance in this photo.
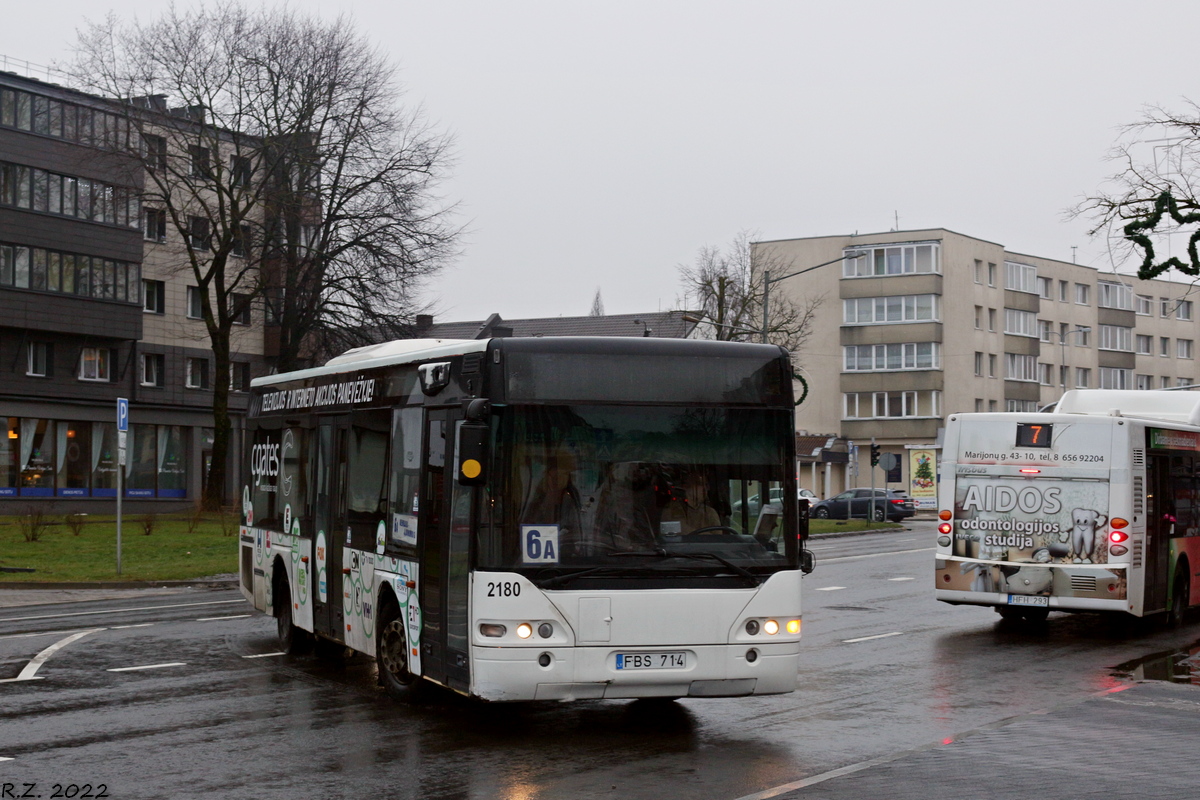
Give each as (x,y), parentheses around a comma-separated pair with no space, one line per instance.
(504,589)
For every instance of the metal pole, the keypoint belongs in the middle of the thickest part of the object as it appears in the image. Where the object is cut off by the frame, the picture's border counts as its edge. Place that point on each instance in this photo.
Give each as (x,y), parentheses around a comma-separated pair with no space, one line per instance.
(766,301)
(871,509)
(120,491)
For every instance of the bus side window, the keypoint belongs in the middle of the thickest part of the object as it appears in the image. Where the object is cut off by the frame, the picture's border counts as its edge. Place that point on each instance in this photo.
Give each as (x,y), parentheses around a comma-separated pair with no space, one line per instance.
(366,477)
(405,477)
(293,477)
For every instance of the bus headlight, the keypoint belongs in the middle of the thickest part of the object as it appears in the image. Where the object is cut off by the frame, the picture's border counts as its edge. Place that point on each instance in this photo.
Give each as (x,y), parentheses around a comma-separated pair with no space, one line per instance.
(524,630)
(771,627)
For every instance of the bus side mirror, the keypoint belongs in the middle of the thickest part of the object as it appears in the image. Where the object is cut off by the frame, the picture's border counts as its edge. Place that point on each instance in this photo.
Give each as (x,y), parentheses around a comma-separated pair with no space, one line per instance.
(807,561)
(473,440)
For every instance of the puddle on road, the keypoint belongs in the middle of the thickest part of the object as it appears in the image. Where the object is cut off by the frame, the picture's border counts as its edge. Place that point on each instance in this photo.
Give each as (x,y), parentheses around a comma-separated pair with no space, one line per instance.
(1174,666)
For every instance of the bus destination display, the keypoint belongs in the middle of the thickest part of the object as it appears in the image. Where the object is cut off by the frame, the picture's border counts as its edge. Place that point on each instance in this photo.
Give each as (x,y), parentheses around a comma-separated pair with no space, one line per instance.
(1033,435)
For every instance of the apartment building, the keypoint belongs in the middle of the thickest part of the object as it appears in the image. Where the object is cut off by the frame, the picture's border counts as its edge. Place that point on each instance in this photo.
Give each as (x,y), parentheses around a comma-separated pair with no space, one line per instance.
(94,306)
(916,325)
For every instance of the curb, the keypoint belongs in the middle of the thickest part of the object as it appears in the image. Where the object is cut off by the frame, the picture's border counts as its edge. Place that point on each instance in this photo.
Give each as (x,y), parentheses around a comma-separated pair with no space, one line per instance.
(210,583)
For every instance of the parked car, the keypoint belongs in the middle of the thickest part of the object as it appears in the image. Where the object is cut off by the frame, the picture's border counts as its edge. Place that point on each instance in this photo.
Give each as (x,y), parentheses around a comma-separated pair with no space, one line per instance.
(889,504)
(776,495)
(808,494)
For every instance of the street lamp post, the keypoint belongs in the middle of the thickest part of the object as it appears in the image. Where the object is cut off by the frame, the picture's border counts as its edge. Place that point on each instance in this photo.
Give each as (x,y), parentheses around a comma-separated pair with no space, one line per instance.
(768,280)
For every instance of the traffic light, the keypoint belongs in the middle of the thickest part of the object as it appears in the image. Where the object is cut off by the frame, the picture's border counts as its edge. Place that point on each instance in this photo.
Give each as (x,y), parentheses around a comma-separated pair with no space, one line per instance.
(874,455)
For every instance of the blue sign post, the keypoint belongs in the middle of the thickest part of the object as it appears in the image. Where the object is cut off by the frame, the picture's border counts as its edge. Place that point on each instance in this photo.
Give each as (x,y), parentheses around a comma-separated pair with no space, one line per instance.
(122,432)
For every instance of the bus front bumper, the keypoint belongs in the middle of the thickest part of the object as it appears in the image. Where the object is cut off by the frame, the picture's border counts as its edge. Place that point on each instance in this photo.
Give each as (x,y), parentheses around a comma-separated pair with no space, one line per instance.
(579,673)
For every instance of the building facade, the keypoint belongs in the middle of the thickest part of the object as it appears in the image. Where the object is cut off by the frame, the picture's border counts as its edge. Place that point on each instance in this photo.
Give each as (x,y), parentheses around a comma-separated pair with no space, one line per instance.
(93,307)
(917,325)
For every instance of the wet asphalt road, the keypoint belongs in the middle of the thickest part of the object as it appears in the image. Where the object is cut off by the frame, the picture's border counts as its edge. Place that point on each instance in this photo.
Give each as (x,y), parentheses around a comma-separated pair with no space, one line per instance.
(184,695)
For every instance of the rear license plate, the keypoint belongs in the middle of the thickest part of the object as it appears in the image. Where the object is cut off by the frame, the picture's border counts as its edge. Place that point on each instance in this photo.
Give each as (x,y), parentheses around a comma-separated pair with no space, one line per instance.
(677,660)
(1028,600)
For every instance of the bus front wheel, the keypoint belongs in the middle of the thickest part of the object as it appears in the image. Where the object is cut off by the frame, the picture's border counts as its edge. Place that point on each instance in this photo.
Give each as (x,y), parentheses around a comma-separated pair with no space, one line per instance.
(391,653)
(292,640)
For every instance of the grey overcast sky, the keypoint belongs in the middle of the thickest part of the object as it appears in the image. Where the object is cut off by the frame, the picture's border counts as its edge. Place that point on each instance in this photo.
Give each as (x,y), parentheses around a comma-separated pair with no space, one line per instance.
(601,144)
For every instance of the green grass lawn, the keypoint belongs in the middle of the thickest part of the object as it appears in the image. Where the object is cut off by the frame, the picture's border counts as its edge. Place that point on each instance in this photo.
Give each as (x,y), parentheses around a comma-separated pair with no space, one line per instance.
(169,552)
(843,525)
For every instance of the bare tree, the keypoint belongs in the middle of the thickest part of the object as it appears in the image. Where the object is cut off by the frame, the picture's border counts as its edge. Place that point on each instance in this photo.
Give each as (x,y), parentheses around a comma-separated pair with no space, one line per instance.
(726,286)
(1155,193)
(597,305)
(275,147)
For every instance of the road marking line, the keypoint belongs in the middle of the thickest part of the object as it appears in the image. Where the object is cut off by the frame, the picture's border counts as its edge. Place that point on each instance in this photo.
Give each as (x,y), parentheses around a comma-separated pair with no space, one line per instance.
(869,638)
(264,655)
(829,588)
(214,619)
(124,610)
(2,758)
(895,579)
(43,633)
(868,555)
(139,625)
(35,664)
(148,666)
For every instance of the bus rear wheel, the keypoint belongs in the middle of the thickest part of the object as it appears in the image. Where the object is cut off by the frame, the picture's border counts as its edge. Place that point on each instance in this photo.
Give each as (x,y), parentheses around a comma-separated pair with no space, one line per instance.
(1179,600)
(391,653)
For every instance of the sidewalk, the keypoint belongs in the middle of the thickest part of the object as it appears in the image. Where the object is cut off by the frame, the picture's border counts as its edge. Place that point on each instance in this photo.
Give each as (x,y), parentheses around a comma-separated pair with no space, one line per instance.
(1129,743)
(13,594)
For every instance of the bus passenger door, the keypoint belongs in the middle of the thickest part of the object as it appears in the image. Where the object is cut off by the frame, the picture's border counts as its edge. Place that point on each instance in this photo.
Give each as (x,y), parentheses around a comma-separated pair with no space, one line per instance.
(1159,522)
(329,523)
(445,508)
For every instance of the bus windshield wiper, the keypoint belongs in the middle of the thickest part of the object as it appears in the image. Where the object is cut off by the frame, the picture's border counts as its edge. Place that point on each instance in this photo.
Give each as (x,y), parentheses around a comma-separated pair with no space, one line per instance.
(567,577)
(664,553)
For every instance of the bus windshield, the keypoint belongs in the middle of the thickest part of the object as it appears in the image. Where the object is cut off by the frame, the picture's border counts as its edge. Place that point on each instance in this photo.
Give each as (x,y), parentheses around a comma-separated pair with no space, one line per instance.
(640,490)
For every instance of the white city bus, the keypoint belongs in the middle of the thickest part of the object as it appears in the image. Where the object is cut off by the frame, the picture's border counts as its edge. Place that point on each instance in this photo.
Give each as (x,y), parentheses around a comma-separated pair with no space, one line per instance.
(534,518)
(1093,507)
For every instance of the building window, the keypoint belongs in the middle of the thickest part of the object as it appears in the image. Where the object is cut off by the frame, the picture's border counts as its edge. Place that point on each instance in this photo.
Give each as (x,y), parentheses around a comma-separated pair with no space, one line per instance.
(1020,277)
(1164,346)
(897,259)
(1082,294)
(1044,287)
(1046,330)
(239,376)
(899,308)
(1164,382)
(155,229)
(1046,374)
(1145,345)
(241,240)
(201,164)
(1183,382)
(1184,310)
(883,405)
(64,195)
(1063,288)
(1145,382)
(1183,348)
(1083,377)
(195,308)
(153,369)
(1083,336)
(197,373)
(199,233)
(1116,337)
(991,274)
(1064,375)
(95,364)
(978,405)
(1019,367)
(154,297)
(1114,378)
(991,405)
(978,364)
(991,365)
(39,359)
(978,271)
(1143,305)
(241,169)
(883,357)
(978,318)
(1164,307)
(156,151)
(1114,295)
(991,319)
(240,310)
(1021,406)
(1020,323)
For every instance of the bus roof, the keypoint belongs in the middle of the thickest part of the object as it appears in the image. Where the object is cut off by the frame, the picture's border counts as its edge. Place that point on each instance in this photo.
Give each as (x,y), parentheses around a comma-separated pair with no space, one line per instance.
(400,351)
(1153,404)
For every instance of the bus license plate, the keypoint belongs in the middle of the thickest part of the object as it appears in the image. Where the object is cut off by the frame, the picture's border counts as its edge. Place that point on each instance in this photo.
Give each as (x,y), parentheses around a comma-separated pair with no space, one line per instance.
(651,660)
(1028,600)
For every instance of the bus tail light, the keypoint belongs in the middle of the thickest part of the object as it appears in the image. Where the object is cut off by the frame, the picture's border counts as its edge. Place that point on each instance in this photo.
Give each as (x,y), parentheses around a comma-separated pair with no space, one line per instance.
(1116,550)
(1031,471)
(492,629)
(1117,522)
(945,527)
(945,515)
(1116,537)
